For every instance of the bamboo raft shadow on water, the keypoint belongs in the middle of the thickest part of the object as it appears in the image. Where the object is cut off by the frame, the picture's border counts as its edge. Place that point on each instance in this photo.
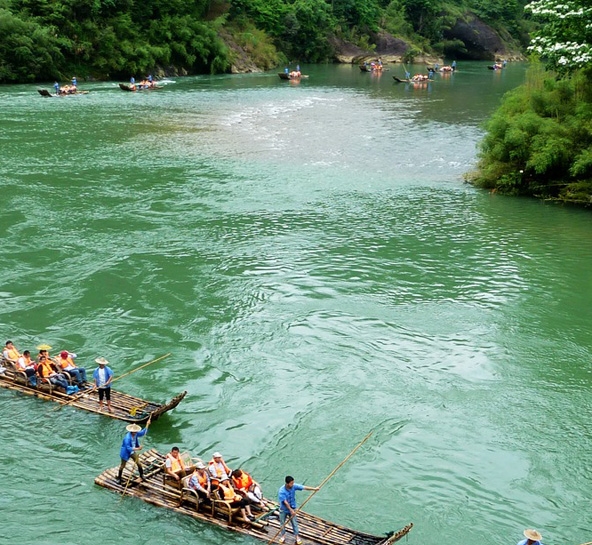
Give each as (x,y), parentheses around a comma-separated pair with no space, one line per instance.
(155,490)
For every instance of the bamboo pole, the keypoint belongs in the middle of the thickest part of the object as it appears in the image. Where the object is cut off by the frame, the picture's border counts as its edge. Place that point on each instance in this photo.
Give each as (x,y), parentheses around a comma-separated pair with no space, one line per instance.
(76,398)
(129,479)
(321,485)
(141,367)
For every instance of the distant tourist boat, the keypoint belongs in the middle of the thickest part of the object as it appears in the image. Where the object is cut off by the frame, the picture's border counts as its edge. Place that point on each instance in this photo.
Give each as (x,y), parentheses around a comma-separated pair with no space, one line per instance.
(125,407)
(138,87)
(160,491)
(291,75)
(46,93)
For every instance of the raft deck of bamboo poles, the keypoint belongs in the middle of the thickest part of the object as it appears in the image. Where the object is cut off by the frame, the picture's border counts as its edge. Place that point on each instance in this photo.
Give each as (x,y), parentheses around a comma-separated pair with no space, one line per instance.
(125,407)
(313,530)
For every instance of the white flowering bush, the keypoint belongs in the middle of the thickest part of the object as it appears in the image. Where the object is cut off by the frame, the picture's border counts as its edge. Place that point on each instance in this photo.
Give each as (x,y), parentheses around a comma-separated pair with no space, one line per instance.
(564,40)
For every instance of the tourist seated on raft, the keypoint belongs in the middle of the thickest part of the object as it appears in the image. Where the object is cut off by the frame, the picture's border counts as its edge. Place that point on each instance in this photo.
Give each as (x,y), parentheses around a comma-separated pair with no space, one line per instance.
(226,492)
(46,369)
(295,74)
(219,471)
(201,482)
(26,365)
(43,353)
(244,484)
(146,84)
(174,465)
(10,353)
(66,362)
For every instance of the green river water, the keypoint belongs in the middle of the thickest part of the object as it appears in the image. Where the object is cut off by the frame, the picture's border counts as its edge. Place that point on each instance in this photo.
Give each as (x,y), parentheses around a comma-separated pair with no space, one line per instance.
(313,261)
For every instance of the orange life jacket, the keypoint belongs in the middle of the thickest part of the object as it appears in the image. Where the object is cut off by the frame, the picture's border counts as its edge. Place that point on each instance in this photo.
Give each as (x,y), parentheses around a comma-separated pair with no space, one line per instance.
(45,369)
(64,363)
(176,463)
(26,362)
(244,482)
(202,478)
(219,468)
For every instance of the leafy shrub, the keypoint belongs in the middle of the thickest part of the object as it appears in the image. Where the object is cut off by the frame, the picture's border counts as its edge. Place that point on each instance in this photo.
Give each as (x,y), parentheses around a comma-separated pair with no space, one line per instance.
(539,142)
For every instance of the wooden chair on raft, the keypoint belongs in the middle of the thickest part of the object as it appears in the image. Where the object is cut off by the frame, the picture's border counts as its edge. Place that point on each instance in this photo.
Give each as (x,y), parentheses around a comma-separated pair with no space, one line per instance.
(17,375)
(188,495)
(224,507)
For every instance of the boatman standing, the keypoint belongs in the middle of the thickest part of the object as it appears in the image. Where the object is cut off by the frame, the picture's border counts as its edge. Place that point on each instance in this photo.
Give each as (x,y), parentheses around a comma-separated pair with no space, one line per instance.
(532,538)
(103,376)
(130,448)
(287,501)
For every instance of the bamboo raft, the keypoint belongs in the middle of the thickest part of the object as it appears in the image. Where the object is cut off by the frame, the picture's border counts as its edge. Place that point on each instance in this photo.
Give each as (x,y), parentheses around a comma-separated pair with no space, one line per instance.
(46,93)
(125,407)
(157,490)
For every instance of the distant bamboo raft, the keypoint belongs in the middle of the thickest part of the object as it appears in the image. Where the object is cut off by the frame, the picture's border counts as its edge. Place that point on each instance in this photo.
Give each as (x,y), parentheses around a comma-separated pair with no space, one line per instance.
(158,491)
(125,407)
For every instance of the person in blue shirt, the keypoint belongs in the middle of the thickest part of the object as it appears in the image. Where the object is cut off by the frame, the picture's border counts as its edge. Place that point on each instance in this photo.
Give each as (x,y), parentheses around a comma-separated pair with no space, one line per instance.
(532,537)
(287,501)
(74,82)
(56,86)
(453,65)
(102,377)
(130,448)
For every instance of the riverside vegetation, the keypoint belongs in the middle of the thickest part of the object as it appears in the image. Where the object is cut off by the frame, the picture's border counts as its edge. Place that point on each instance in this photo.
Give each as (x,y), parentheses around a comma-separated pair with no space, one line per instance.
(539,142)
(52,39)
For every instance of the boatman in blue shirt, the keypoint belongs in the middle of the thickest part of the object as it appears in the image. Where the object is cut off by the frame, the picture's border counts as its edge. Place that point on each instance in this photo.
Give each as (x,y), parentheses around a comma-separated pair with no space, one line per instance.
(287,501)
(532,538)
(103,376)
(130,448)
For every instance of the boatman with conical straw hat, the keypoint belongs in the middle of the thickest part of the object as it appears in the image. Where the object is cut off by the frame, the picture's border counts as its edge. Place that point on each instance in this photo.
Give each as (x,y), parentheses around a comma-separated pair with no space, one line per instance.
(532,537)
(130,448)
(103,376)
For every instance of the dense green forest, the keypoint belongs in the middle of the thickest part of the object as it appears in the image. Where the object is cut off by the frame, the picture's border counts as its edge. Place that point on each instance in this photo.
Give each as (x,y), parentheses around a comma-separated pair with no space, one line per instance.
(52,39)
(539,142)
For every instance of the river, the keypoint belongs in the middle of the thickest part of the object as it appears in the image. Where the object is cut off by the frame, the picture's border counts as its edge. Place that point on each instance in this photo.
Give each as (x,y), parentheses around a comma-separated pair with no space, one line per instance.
(312,259)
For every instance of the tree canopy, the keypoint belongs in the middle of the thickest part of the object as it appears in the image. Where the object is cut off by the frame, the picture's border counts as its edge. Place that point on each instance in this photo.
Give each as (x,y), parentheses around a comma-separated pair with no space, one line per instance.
(564,38)
(47,39)
(539,142)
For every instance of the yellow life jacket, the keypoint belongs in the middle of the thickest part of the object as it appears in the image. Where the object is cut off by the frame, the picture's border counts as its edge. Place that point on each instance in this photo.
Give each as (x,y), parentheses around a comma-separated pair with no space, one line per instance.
(176,463)
(228,493)
(12,354)
(45,369)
